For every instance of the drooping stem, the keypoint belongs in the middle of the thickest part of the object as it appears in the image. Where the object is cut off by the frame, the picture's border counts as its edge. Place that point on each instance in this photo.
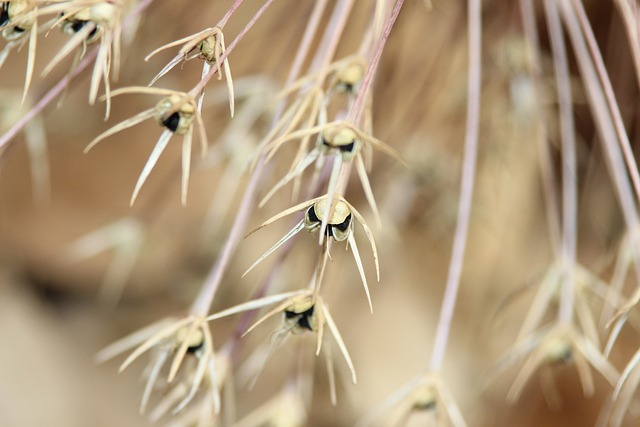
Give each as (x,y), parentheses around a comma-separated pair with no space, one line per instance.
(569,165)
(466,188)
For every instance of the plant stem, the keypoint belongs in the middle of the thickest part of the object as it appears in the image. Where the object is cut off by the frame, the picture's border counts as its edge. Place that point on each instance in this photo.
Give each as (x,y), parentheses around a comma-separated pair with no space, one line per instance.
(546,168)
(358,106)
(606,130)
(227,15)
(466,189)
(569,164)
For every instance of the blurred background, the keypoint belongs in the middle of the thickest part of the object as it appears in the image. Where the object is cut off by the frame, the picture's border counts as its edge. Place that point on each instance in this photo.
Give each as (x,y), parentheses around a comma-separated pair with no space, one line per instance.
(56,311)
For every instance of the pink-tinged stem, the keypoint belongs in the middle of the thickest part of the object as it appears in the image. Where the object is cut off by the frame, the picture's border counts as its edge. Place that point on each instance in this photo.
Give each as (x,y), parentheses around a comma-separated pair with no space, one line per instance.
(466,188)
(358,106)
(227,15)
(569,164)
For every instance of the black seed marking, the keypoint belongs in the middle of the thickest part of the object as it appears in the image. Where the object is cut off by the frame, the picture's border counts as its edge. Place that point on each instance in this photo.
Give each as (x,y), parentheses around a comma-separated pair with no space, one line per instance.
(19,30)
(329,230)
(303,322)
(4,14)
(344,224)
(172,122)
(348,87)
(192,349)
(347,148)
(76,25)
(303,318)
(311,215)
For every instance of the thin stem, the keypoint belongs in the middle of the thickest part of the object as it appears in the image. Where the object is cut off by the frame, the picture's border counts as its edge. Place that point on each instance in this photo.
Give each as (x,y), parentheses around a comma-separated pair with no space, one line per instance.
(329,42)
(466,188)
(303,49)
(629,14)
(605,127)
(546,169)
(62,84)
(203,302)
(569,164)
(230,12)
(610,96)
(358,106)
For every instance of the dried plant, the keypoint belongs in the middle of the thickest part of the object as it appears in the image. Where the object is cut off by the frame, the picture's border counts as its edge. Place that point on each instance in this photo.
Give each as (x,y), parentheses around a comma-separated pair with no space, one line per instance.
(510,150)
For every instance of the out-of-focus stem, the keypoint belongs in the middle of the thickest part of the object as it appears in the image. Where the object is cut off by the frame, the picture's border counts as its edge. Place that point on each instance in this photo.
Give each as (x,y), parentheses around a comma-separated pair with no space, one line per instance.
(466,189)
(569,165)
(606,130)
(546,169)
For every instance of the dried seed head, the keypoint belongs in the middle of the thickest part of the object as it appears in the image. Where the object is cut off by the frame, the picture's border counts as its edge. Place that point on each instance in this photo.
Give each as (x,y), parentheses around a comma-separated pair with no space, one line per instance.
(210,48)
(176,114)
(339,223)
(342,139)
(557,350)
(10,12)
(299,316)
(196,339)
(348,79)
(103,15)
(425,398)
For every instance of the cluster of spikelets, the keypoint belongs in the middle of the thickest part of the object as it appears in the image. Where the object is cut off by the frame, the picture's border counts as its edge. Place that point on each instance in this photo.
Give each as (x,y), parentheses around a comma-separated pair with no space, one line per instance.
(326,113)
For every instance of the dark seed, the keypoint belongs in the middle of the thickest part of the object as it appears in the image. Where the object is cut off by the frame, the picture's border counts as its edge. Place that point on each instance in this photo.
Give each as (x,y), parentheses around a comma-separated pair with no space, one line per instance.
(329,230)
(347,148)
(172,122)
(303,318)
(4,15)
(77,25)
(93,33)
(344,224)
(192,349)
(311,215)
(18,30)
(303,322)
